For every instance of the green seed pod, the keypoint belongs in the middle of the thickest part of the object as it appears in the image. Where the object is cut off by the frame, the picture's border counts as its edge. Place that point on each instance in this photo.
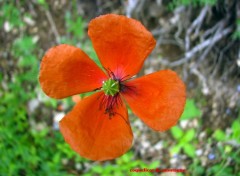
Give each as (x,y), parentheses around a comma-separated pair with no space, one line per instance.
(110,87)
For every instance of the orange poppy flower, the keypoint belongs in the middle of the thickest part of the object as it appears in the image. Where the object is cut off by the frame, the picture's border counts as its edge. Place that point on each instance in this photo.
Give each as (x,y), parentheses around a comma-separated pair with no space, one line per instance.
(98,127)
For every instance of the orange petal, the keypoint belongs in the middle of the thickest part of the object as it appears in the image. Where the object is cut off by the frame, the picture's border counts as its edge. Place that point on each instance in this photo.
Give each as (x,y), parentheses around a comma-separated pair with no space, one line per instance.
(66,70)
(158,98)
(92,134)
(122,44)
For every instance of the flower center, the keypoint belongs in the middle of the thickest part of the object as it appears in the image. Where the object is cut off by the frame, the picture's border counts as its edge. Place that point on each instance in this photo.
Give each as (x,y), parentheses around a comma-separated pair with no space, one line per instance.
(110,87)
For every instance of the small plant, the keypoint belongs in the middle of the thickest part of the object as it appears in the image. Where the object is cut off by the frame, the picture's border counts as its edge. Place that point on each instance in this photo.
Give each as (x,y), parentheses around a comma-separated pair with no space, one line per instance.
(11,16)
(185,139)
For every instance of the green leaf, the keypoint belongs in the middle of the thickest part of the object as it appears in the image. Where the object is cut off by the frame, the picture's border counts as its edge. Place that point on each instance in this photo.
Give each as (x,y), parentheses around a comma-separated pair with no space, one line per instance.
(176,149)
(189,150)
(1,77)
(154,165)
(236,130)
(199,170)
(180,174)
(12,14)
(190,110)
(236,34)
(75,25)
(97,169)
(23,47)
(227,149)
(177,132)
(189,136)
(41,2)
(219,135)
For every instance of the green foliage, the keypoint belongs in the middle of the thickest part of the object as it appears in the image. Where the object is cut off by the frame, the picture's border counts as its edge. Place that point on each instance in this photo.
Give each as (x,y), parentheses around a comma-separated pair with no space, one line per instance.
(10,14)
(236,130)
(25,150)
(184,139)
(75,27)
(176,3)
(196,168)
(122,166)
(42,2)
(177,132)
(236,34)
(190,110)
(219,135)
(223,167)
(228,150)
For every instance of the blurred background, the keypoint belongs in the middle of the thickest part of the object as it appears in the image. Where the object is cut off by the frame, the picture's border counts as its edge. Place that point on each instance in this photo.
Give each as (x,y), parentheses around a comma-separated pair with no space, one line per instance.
(199,39)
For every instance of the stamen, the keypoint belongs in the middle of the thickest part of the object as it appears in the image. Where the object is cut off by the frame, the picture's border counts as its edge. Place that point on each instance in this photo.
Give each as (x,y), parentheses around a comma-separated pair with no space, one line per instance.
(127,88)
(110,104)
(110,74)
(123,78)
(111,100)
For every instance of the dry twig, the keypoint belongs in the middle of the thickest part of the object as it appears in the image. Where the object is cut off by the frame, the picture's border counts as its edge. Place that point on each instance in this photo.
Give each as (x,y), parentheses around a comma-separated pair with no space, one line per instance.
(196,25)
(189,55)
(53,26)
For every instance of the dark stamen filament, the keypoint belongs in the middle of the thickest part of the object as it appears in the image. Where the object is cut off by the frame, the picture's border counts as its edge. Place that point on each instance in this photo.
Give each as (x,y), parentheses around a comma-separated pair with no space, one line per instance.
(110,103)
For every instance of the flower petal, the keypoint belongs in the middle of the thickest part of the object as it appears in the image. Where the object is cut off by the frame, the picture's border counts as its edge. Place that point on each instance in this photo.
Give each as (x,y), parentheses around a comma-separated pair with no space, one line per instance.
(66,70)
(122,44)
(92,134)
(158,98)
